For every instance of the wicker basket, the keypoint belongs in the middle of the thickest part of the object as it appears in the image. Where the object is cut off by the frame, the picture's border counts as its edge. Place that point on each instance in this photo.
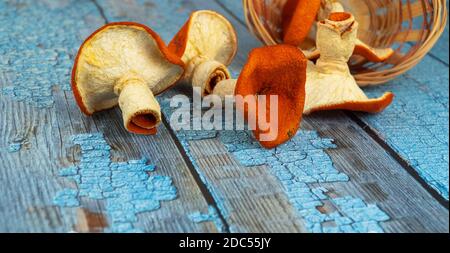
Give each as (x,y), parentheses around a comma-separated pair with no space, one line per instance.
(411,27)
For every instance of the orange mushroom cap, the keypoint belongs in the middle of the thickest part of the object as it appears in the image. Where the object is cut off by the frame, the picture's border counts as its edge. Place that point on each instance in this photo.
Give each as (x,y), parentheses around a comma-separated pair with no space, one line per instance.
(372,54)
(275,70)
(298,18)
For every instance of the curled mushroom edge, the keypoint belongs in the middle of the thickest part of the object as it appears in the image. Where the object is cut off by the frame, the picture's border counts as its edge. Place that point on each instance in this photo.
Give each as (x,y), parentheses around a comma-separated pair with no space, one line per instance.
(330,85)
(298,27)
(125,64)
(207,43)
(280,71)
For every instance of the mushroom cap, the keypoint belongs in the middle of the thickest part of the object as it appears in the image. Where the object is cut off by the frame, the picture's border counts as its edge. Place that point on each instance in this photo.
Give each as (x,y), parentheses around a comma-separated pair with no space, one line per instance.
(339,92)
(330,85)
(373,54)
(370,105)
(276,70)
(369,53)
(206,34)
(115,51)
(298,18)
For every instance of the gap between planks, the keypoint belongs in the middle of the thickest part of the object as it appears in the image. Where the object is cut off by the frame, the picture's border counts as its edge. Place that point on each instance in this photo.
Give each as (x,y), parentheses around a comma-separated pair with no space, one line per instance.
(373,133)
(177,141)
(205,192)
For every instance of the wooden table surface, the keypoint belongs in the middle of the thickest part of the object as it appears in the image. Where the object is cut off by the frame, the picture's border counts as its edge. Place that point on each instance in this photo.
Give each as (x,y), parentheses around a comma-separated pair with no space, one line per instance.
(61,171)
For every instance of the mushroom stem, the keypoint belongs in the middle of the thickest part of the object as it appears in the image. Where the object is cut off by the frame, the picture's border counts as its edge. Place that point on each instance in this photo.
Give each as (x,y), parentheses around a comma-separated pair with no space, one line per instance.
(336,39)
(206,74)
(225,88)
(330,85)
(140,110)
(328,7)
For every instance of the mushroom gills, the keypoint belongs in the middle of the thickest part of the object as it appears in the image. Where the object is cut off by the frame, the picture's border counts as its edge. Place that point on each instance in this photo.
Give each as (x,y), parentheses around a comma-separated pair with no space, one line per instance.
(207,44)
(125,65)
(330,85)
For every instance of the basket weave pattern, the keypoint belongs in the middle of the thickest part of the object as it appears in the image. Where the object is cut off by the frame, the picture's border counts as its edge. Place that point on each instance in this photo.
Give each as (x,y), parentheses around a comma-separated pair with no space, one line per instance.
(410,27)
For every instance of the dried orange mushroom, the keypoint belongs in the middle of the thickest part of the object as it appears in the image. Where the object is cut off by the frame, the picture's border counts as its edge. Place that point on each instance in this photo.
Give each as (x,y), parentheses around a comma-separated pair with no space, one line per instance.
(271,71)
(298,20)
(330,86)
(370,53)
(125,64)
(207,43)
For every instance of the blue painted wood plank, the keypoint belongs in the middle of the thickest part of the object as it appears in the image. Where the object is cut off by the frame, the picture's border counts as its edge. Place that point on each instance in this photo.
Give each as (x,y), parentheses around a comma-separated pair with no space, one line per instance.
(440,50)
(35,60)
(51,184)
(297,165)
(233,168)
(37,53)
(317,177)
(164,17)
(127,187)
(416,125)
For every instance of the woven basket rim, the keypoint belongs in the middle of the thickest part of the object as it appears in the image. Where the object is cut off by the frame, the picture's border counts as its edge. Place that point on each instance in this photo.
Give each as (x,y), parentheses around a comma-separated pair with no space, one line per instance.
(427,38)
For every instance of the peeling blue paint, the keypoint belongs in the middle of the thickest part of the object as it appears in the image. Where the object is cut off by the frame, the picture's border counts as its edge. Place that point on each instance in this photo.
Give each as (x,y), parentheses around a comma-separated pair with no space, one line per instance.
(211,216)
(67,198)
(38,41)
(298,165)
(154,14)
(416,126)
(126,187)
(14,147)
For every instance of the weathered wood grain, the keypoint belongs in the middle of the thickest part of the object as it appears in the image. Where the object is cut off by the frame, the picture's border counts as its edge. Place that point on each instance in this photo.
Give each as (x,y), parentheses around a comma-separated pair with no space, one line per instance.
(244,211)
(377,178)
(251,192)
(416,125)
(431,135)
(35,134)
(384,179)
(161,18)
